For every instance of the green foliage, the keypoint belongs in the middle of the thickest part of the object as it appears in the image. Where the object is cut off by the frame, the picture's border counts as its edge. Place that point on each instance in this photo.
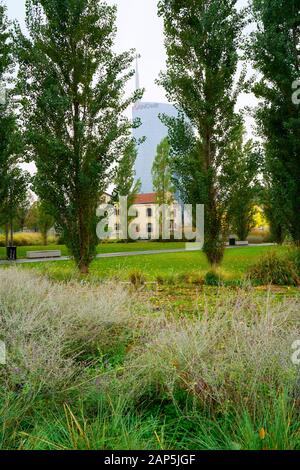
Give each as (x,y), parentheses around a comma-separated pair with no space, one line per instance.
(275,52)
(274,213)
(72,84)
(39,219)
(213,278)
(125,184)
(125,181)
(6,59)
(294,257)
(13,182)
(202,41)
(17,190)
(137,278)
(243,168)
(161,173)
(23,212)
(274,269)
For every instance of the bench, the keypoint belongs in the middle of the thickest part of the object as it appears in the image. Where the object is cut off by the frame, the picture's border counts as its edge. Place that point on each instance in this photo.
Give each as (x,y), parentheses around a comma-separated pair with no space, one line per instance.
(242,243)
(43,254)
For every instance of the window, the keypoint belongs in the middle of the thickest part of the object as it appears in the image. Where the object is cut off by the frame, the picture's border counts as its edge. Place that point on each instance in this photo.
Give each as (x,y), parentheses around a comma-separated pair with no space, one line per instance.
(149,228)
(149,212)
(117,227)
(137,229)
(117,211)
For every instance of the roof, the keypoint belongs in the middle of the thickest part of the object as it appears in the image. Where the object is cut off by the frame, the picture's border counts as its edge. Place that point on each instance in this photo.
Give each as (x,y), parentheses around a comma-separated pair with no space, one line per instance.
(148,198)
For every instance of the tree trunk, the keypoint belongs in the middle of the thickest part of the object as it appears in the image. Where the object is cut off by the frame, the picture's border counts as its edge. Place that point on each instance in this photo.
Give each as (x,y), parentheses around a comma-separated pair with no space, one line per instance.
(45,238)
(83,268)
(6,234)
(214,246)
(11,243)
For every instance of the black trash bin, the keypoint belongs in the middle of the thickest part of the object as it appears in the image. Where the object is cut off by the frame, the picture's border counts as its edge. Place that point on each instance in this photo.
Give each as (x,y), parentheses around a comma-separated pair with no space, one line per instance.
(232,242)
(11,253)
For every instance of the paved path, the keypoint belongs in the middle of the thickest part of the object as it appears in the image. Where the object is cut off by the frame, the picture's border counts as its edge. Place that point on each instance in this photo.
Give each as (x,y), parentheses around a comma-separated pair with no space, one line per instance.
(121,254)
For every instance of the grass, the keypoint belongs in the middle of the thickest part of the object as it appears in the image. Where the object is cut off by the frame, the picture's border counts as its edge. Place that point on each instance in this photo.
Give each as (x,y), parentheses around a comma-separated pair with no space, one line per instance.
(141,354)
(102,248)
(165,265)
(94,366)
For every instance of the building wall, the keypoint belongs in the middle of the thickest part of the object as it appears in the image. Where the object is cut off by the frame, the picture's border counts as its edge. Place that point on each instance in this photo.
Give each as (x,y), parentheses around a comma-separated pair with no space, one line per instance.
(146,224)
(154,131)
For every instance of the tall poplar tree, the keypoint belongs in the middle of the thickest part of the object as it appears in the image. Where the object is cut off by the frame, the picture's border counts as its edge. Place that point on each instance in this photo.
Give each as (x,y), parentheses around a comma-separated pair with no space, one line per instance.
(12,179)
(202,41)
(7,122)
(275,49)
(72,85)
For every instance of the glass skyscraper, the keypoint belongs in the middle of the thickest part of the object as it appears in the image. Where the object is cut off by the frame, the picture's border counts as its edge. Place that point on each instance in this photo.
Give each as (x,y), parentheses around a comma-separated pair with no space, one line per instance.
(154,131)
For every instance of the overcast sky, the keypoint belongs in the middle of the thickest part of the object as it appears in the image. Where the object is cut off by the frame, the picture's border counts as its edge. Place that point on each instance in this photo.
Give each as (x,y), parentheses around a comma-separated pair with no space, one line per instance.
(138,27)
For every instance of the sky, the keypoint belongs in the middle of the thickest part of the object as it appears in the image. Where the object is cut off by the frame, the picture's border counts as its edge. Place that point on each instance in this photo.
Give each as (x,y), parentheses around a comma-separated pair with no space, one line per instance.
(140,28)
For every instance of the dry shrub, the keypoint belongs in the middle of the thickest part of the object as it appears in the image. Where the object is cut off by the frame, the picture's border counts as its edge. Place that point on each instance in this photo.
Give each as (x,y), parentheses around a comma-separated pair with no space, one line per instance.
(47,327)
(28,239)
(137,278)
(235,354)
(274,269)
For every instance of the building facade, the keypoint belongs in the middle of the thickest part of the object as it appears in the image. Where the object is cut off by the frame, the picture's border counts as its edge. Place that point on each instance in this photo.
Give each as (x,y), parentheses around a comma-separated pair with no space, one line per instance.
(145,220)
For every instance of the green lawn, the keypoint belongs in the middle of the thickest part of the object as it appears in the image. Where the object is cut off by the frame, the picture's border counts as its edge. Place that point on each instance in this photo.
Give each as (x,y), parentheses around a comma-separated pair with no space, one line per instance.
(236,263)
(103,248)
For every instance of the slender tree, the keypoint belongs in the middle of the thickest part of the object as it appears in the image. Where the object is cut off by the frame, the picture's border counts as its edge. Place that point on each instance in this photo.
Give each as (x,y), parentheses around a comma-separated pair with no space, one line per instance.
(273,213)
(22,213)
(72,85)
(7,121)
(126,184)
(5,46)
(161,173)
(45,221)
(10,143)
(18,181)
(125,181)
(275,49)
(245,164)
(202,41)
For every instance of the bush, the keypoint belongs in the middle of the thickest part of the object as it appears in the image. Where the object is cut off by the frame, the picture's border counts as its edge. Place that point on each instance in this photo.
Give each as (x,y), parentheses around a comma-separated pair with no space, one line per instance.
(213,278)
(274,269)
(28,239)
(294,257)
(258,236)
(137,278)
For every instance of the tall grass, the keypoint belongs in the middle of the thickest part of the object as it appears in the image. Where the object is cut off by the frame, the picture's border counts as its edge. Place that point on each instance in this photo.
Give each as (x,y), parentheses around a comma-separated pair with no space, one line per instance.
(28,239)
(89,367)
(236,353)
(278,269)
